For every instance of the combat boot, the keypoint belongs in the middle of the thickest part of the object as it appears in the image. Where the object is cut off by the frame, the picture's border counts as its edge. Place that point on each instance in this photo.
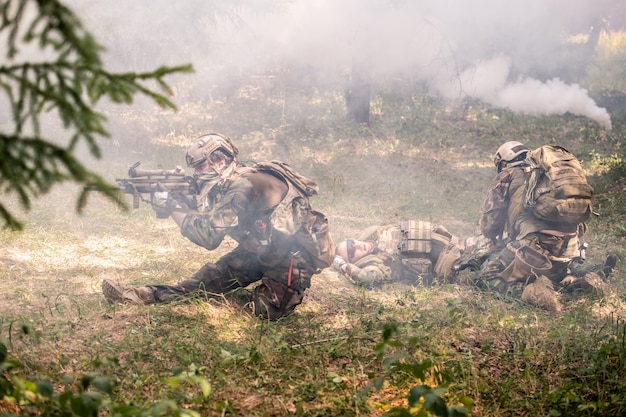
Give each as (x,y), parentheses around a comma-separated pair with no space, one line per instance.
(115,293)
(593,283)
(590,283)
(608,267)
(541,293)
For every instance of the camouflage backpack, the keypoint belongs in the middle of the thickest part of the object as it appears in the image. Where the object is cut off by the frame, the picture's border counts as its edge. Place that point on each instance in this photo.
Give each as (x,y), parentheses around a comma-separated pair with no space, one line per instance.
(304,185)
(557,189)
(294,216)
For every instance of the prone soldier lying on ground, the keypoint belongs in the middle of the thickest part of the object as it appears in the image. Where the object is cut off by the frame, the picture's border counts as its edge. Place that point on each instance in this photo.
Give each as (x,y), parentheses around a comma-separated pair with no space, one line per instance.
(412,251)
(420,253)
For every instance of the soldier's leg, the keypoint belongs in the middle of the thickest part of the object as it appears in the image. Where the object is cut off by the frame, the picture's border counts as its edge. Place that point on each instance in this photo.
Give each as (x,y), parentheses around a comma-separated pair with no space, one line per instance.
(282,289)
(589,278)
(116,293)
(574,276)
(234,270)
(604,269)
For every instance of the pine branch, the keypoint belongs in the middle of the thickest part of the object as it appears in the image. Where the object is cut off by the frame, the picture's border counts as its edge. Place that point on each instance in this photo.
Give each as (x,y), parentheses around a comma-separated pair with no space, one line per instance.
(70,83)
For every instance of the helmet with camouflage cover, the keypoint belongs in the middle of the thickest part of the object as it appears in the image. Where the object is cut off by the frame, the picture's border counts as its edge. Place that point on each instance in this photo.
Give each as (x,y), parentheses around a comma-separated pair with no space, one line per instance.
(206,145)
(508,152)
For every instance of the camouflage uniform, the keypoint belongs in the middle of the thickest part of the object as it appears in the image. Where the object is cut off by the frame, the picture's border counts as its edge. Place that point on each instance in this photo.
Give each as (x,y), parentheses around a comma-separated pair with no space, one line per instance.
(549,248)
(387,264)
(264,215)
(271,222)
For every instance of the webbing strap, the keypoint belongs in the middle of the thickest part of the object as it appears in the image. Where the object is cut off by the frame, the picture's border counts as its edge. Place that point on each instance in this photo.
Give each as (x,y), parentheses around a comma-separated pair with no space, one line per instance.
(290,272)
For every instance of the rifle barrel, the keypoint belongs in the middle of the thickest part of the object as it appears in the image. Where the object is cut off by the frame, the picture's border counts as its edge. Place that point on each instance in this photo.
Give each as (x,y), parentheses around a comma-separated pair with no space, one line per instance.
(176,172)
(135,172)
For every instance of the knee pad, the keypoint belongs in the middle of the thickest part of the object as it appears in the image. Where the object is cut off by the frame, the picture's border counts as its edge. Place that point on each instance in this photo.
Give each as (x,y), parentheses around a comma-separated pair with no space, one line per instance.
(274,300)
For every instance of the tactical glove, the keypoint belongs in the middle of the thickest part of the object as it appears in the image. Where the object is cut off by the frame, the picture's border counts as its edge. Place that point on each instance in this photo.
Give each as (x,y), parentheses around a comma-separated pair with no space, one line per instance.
(163,204)
(569,280)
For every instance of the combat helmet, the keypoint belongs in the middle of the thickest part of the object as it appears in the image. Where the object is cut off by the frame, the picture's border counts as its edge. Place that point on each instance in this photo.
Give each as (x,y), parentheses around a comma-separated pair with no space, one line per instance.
(508,152)
(206,145)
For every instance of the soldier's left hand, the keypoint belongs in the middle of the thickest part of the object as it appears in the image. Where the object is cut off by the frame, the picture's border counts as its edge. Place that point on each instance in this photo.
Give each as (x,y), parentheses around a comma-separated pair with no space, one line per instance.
(163,204)
(338,262)
(569,280)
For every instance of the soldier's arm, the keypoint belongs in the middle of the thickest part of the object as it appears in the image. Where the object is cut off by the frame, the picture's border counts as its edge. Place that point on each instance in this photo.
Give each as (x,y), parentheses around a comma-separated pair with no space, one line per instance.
(209,229)
(494,208)
(368,276)
(201,231)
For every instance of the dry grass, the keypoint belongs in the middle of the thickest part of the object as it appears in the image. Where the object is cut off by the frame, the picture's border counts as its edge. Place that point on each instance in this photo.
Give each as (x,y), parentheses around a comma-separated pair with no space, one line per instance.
(501,353)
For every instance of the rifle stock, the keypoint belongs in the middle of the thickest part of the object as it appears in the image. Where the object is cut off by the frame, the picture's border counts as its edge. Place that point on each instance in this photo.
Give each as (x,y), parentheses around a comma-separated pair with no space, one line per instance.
(145,181)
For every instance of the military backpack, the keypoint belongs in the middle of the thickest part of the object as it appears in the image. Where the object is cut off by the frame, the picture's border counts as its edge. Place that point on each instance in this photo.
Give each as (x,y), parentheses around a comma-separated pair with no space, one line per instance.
(557,189)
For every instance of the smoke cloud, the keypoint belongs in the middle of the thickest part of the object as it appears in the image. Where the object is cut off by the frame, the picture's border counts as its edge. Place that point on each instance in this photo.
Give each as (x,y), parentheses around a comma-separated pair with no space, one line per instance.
(487,81)
(516,54)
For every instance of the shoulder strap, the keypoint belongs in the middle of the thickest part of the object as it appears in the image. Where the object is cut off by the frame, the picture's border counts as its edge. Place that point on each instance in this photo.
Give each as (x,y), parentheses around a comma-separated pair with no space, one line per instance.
(305,185)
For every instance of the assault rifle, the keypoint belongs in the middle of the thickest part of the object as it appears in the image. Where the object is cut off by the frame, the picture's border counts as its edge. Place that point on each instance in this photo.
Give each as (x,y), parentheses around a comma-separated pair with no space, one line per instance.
(149,181)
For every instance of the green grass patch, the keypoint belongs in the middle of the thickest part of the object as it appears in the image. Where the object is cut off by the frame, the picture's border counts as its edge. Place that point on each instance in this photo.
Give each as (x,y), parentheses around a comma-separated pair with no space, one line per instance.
(399,350)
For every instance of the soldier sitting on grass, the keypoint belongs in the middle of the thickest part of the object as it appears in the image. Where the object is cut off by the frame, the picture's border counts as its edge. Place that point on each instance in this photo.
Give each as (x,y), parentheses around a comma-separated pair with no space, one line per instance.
(532,254)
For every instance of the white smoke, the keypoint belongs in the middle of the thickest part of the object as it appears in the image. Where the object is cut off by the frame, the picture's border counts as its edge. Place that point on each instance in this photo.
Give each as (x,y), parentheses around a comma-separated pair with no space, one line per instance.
(552,97)
(487,81)
(453,46)
(429,41)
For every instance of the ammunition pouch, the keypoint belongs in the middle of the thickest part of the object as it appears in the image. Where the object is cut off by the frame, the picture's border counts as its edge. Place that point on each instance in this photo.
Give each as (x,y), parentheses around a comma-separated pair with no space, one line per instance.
(449,257)
(415,238)
(526,266)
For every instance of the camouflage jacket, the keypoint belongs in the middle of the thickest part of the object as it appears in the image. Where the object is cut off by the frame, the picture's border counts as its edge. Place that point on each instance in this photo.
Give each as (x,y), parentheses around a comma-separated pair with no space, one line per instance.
(503,215)
(255,209)
(387,264)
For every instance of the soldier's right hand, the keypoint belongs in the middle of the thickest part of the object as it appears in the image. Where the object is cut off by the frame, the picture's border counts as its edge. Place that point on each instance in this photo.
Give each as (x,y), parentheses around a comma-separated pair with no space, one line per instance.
(569,280)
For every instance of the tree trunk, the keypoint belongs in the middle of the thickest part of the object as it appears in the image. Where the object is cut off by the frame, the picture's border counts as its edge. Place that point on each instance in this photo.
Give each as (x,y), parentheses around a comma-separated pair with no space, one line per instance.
(357,97)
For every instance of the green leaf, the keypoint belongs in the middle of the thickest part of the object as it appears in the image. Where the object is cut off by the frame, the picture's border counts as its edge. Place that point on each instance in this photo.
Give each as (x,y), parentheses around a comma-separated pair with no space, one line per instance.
(435,404)
(205,386)
(87,404)
(104,384)
(45,388)
(416,393)
(163,407)
(458,411)
(398,412)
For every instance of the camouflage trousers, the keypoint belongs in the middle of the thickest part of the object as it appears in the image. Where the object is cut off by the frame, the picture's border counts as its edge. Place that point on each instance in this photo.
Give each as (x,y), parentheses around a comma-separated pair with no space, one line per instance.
(495,272)
(280,290)
(537,283)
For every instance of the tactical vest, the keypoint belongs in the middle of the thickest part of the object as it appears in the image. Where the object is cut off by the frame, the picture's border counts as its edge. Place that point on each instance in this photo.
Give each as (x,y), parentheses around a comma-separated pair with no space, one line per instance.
(293,218)
(424,249)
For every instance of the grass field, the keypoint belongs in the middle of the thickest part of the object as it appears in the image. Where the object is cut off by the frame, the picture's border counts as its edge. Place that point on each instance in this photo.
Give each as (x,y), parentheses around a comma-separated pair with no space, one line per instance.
(346,351)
